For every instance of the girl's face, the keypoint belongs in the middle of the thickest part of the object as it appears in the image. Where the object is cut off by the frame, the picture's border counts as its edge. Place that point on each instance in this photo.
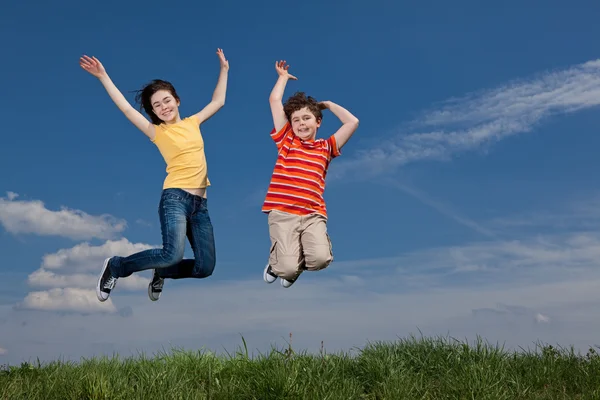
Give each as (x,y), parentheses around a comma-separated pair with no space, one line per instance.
(165,106)
(304,124)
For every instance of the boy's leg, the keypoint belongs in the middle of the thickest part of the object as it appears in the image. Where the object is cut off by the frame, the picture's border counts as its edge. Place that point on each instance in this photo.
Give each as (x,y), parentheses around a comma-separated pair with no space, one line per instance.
(172,210)
(285,258)
(201,237)
(316,244)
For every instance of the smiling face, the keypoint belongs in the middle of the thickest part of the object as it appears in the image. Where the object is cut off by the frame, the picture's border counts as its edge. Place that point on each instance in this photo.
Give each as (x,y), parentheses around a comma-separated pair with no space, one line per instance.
(165,106)
(305,124)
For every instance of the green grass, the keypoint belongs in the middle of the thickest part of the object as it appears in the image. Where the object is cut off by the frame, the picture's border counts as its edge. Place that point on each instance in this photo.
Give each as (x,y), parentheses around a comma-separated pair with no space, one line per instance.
(414,368)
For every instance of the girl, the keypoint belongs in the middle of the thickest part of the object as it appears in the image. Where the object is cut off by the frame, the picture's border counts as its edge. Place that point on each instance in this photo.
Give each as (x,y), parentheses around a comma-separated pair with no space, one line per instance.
(183,205)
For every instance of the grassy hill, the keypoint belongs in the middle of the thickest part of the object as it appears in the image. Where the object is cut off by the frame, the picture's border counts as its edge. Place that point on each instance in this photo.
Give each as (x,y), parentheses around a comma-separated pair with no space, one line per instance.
(414,368)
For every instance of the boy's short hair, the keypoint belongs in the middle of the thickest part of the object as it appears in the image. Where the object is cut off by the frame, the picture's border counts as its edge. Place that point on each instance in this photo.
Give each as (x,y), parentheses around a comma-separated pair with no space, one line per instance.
(298,101)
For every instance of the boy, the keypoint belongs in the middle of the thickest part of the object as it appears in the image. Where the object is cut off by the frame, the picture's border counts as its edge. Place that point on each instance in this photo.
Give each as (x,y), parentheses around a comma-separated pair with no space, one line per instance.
(296,209)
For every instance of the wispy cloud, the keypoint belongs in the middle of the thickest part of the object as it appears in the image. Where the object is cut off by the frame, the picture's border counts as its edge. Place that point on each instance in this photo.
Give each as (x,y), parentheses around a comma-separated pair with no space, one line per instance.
(580,214)
(440,207)
(143,222)
(481,118)
(3,351)
(32,217)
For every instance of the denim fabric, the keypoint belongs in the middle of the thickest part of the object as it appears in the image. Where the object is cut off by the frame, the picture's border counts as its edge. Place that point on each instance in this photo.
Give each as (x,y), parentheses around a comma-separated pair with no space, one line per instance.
(181,214)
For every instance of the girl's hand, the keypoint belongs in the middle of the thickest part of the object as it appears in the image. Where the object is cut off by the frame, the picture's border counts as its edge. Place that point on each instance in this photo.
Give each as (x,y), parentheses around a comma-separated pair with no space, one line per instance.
(92,65)
(222,59)
(282,70)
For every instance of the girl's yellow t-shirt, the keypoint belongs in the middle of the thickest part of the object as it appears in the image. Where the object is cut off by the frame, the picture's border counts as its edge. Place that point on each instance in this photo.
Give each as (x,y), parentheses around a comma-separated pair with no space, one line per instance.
(182,148)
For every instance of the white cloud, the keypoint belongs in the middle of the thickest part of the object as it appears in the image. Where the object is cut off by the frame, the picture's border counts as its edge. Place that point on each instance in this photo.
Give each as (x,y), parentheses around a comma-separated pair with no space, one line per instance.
(3,351)
(69,274)
(33,217)
(481,118)
(504,290)
(72,273)
(342,311)
(66,300)
(85,257)
(42,278)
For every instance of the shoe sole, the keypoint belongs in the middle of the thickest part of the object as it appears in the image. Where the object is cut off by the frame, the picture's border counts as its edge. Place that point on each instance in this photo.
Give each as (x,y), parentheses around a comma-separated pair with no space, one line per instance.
(283,284)
(99,293)
(150,293)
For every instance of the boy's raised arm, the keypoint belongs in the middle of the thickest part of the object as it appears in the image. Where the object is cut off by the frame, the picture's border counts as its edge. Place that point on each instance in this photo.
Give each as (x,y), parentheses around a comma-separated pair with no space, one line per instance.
(349,122)
(218,99)
(95,67)
(275,99)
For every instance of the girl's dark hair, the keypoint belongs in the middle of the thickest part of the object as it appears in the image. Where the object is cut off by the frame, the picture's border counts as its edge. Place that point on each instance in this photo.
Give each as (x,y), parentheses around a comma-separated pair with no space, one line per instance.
(298,101)
(143,96)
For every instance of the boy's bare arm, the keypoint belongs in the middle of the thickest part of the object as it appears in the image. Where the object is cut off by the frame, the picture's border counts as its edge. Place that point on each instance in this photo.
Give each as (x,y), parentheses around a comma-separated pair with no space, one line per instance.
(349,122)
(218,98)
(276,97)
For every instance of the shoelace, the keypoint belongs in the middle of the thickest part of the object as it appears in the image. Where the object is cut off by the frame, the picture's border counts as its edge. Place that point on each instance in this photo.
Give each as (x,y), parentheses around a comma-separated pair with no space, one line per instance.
(158,283)
(110,283)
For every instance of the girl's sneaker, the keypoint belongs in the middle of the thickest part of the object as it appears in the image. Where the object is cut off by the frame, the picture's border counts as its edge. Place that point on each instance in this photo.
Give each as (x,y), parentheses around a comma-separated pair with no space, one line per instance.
(106,282)
(155,286)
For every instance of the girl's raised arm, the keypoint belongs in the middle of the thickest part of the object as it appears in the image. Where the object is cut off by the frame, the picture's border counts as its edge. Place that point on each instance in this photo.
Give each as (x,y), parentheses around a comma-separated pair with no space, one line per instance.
(218,98)
(95,67)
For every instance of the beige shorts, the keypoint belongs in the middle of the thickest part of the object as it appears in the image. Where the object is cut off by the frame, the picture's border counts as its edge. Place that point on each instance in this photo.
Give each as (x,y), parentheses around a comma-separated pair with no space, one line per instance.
(298,243)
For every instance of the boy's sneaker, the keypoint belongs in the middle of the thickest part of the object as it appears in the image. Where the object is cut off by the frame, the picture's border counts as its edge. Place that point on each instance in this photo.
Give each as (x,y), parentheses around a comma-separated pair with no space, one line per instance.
(155,286)
(106,282)
(286,284)
(268,275)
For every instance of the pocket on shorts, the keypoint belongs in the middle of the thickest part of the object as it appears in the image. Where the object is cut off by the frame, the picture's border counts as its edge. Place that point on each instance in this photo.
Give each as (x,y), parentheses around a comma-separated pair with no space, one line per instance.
(273,254)
(330,245)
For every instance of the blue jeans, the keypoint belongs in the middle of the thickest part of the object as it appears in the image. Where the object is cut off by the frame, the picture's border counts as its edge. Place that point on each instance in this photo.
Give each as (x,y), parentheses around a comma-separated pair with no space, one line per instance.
(181,214)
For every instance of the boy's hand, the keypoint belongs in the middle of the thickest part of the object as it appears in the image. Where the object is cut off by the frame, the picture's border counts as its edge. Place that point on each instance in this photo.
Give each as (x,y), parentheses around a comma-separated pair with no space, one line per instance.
(92,65)
(222,59)
(324,104)
(282,70)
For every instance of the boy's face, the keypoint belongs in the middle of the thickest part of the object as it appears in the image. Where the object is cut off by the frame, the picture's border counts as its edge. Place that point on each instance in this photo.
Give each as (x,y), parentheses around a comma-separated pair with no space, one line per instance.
(305,124)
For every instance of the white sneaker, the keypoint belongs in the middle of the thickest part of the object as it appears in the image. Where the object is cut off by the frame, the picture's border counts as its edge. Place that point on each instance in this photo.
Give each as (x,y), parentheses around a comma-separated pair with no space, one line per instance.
(268,275)
(286,284)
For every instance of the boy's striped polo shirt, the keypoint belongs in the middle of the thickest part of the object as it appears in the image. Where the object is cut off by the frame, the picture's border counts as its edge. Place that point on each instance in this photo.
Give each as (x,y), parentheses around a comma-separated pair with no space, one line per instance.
(298,179)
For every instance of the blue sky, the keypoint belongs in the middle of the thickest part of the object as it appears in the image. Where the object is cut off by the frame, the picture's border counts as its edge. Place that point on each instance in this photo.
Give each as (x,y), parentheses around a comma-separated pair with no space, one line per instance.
(466,200)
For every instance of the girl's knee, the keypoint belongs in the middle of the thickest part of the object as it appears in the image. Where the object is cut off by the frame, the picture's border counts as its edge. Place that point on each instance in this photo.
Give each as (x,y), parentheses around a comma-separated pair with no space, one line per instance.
(200,273)
(203,269)
(171,257)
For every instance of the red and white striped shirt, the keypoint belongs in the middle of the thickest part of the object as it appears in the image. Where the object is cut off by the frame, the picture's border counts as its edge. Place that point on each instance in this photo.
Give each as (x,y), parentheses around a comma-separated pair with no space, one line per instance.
(298,179)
